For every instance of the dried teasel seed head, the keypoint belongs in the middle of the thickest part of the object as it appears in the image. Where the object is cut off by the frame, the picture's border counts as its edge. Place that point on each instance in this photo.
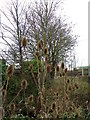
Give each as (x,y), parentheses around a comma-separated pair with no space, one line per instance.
(57,94)
(37,54)
(30,98)
(10,70)
(60,75)
(31,67)
(70,88)
(41,42)
(24,84)
(63,73)
(53,106)
(57,68)
(46,58)
(76,85)
(48,68)
(65,70)
(68,81)
(70,108)
(57,116)
(24,42)
(39,75)
(40,45)
(62,65)
(86,103)
(3,93)
(66,97)
(45,50)
(12,107)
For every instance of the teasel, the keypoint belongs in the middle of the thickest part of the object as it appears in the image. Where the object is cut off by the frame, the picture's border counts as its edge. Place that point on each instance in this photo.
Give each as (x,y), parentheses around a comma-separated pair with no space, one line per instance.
(3,94)
(76,85)
(66,97)
(46,58)
(57,116)
(31,67)
(57,94)
(68,81)
(37,54)
(10,70)
(65,70)
(62,65)
(24,84)
(57,68)
(86,103)
(53,107)
(63,73)
(12,107)
(60,75)
(48,68)
(71,108)
(30,98)
(40,44)
(70,88)
(45,50)
(24,42)
(39,75)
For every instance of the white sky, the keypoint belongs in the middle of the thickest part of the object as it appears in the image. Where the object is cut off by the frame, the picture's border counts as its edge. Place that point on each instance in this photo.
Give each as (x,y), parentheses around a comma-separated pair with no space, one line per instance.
(77,12)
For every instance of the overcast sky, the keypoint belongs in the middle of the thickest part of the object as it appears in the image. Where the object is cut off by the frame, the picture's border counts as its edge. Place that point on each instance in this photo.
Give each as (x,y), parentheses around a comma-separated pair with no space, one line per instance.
(77,12)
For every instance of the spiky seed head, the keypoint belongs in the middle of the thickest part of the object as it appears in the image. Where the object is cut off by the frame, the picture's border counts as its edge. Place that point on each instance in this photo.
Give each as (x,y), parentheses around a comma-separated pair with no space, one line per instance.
(70,88)
(30,98)
(70,108)
(39,75)
(46,58)
(10,70)
(68,81)
(62,65)
(31,67)
(45,50)
(66,97)
(24,84)
(57,94)
(41,42)
(60,75)
(3,93)
(65,70)
(76,85)
(57,68)
(63,73)
(12,107)
(40,45)
(48,68)
(24,42)
(86,103)
(53,106)
(37,54)
(57,116)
